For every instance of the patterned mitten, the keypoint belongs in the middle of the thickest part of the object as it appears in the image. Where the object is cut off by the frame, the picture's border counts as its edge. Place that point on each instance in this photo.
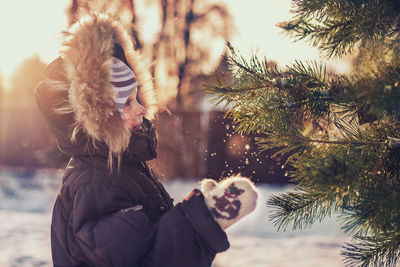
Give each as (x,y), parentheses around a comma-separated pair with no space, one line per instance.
(230,199)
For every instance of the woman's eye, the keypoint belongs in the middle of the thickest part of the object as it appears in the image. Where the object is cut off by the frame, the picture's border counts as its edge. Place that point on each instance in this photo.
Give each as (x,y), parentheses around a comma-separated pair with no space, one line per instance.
(128,102)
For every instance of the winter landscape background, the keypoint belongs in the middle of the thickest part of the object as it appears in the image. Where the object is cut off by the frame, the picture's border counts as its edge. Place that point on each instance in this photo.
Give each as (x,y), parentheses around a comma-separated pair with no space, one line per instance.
(26,201)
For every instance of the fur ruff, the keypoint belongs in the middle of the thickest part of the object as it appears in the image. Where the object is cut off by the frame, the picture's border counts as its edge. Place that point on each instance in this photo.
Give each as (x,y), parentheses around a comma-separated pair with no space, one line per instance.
(87,59)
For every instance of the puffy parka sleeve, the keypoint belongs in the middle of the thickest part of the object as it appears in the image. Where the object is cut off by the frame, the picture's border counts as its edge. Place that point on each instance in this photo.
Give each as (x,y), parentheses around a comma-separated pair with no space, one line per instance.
(186,235)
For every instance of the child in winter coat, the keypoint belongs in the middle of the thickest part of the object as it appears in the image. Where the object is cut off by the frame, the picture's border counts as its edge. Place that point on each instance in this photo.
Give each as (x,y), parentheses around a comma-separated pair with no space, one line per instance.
(111,209)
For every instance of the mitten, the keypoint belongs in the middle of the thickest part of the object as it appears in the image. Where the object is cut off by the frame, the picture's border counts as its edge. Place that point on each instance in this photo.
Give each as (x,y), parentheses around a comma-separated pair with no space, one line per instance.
(230,199)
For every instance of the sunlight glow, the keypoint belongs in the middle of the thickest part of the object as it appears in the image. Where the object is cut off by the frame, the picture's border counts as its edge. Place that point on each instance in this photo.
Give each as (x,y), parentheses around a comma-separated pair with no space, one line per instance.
(33,27)
(28,28)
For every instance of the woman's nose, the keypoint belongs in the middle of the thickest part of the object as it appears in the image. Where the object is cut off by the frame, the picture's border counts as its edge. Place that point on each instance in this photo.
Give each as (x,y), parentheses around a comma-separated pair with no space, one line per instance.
(140,109)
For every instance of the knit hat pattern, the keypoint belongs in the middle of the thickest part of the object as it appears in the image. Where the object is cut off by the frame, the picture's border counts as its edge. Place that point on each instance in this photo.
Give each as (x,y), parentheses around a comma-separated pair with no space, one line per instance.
(123,82)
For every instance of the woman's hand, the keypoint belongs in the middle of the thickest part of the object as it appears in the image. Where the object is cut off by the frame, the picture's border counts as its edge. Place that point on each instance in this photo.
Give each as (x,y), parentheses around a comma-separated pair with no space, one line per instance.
(229,200)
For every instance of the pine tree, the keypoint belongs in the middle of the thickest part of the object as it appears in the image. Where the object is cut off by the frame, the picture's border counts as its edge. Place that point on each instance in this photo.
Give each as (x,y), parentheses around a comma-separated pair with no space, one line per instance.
(342,131)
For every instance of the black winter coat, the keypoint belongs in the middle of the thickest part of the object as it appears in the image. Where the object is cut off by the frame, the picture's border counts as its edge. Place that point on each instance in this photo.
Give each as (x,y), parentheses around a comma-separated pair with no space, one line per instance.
(121,218)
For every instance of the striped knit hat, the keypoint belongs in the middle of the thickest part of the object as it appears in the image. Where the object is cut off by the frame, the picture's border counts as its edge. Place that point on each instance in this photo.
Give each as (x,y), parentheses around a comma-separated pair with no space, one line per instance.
(123,81)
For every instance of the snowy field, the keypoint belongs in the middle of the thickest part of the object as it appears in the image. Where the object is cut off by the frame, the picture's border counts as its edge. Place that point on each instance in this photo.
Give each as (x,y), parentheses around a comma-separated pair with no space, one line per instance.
(25,211)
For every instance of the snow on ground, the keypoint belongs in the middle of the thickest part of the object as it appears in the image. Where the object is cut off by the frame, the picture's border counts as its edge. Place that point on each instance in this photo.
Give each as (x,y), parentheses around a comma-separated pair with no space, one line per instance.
(26,200)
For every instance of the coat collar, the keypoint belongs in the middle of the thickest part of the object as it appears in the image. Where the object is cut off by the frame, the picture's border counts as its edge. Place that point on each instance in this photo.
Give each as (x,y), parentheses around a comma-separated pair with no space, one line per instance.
(142,147)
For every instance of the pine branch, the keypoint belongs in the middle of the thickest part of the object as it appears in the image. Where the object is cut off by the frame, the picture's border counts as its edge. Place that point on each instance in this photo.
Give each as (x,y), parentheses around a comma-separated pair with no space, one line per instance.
(339,142)
(379,250)
(301,209)
(337,26)
(240,90)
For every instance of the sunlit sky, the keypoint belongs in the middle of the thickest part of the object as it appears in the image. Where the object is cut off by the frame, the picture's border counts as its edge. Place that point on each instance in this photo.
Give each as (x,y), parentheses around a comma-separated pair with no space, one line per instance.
(28,27)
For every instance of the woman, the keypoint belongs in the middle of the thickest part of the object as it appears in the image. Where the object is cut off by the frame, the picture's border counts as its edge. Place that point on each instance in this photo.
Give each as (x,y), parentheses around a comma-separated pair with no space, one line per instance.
(111,209)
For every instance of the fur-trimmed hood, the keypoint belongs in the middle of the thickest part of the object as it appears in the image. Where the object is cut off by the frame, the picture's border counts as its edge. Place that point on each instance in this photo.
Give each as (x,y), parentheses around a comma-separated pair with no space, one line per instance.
(87,58)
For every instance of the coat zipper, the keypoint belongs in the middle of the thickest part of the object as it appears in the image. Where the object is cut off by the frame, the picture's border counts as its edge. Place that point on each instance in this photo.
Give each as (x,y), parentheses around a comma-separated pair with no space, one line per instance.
(149,173)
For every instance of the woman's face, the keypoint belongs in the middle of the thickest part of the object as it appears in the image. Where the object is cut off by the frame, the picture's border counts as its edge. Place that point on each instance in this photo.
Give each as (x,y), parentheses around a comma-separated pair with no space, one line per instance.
(133,111)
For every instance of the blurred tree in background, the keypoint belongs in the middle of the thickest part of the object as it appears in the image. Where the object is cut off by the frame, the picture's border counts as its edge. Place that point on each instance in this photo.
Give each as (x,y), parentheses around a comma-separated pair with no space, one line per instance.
(189,29)
(23,141)
(24,79)
(342,131)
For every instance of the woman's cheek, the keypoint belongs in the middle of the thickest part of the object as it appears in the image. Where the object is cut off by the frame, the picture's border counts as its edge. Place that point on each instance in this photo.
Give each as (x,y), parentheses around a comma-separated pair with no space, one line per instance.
(125,113)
